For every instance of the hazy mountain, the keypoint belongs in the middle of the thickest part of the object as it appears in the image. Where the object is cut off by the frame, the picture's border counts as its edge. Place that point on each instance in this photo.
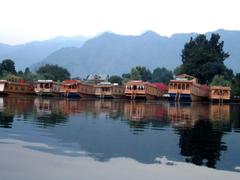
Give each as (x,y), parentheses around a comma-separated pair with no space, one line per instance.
(110,53)
(27,54)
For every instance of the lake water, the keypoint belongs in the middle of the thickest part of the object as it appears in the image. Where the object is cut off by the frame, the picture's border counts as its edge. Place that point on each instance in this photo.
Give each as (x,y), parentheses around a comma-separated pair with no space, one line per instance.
(54,138)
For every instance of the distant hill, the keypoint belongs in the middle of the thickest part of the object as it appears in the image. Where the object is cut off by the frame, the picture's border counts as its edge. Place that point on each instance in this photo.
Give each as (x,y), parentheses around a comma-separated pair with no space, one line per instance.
(115,54)
(27,54)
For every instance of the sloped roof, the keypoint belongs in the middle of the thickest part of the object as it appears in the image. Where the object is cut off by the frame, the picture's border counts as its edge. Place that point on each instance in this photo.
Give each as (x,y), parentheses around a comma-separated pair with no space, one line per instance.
(161,86)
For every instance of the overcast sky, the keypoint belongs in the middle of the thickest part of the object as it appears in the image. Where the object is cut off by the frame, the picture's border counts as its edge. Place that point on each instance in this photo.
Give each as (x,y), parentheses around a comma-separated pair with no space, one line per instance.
(27,20)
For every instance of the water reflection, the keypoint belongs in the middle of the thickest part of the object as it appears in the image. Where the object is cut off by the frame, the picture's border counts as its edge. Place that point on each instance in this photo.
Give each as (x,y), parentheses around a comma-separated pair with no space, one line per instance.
(103,129)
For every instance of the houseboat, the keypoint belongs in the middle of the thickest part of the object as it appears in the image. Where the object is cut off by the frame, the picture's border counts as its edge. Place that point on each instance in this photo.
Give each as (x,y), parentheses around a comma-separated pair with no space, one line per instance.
(220,93)
(69,89)
(142,90)
(47,88)
(20,87)
(3,87)
(85,90)
(109,90)
(186,87)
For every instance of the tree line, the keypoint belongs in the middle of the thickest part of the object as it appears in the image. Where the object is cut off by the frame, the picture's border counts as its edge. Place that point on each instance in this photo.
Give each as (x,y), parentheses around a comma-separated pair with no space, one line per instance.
(48,71)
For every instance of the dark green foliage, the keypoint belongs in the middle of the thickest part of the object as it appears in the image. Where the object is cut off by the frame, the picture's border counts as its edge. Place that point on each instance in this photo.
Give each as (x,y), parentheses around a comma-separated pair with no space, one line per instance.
(162,75)
(219,80)
(116,79)
(126,76)
(204,58)
(140,73)
(7,66)
(53,72)
(236,85)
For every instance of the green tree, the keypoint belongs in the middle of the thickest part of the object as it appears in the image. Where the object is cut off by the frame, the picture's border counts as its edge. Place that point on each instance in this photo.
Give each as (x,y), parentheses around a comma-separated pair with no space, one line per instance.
(219,80)
(204,58)
(236,85)
(53,72)
(162,75)
(116,79)
(141,73)
(8,66)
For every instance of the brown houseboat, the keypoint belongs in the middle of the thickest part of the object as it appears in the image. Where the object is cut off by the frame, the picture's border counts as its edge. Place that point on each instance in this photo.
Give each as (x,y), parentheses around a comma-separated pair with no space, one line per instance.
(220,93)
(142,90)
(77,89)
(47,88)
(21,87)
(186,87)
(108,90)
(69,88)
(86,90)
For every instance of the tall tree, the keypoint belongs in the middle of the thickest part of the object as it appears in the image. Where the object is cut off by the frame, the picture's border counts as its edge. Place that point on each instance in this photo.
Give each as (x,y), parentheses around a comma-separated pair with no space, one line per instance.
(204,58)
(236,85)
(53,72)
(116,79)
(141,73)
(162,75)
(8,66)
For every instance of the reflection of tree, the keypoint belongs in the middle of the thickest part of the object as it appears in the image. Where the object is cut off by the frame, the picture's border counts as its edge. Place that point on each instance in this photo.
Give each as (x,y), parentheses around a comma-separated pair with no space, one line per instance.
(201,143)
(235,116)
(48,112)
(52,119)
(6,120)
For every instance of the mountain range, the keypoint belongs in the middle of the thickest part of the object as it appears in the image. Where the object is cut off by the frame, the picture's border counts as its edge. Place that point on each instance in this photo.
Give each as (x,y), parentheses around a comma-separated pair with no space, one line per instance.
(111,53)
(24,55)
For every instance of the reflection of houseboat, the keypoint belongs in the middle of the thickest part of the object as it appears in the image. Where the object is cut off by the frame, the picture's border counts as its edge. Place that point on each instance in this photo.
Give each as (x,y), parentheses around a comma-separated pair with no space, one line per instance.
(220,93)
(141,89)
(108,90)
(69,88)
(21,87)
(186,87)
(47,88)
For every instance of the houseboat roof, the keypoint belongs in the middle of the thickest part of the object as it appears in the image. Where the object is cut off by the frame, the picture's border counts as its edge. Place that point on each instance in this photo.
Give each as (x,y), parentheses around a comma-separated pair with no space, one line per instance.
(70,82)
(104,83)
(220,88)
(44,81)
(161,86)
(138,82)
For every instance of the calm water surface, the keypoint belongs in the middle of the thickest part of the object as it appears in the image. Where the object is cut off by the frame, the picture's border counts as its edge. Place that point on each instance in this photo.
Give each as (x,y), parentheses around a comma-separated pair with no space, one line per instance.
(49,133)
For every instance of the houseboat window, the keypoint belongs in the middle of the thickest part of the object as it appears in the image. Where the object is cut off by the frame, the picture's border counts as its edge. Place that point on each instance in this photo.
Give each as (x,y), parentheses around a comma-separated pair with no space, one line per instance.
(179,86)
(47,86)
(134,87)
(183,86)
(41,85)
(175,86)
(187,86)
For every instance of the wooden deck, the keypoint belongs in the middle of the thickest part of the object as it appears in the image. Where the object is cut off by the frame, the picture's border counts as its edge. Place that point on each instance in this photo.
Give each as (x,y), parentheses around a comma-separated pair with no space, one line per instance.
(220,93)
(141,89)
(186,87)
(47,88)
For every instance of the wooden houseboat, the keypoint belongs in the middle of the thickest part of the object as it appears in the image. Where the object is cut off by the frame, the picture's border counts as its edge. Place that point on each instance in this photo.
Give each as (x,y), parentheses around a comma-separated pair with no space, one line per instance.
(3,87)
(108,90)
(186,87)
(47,88)
(142,90)
(86,90)
(21,87)
(220,93)
(69,88)
(77,89)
